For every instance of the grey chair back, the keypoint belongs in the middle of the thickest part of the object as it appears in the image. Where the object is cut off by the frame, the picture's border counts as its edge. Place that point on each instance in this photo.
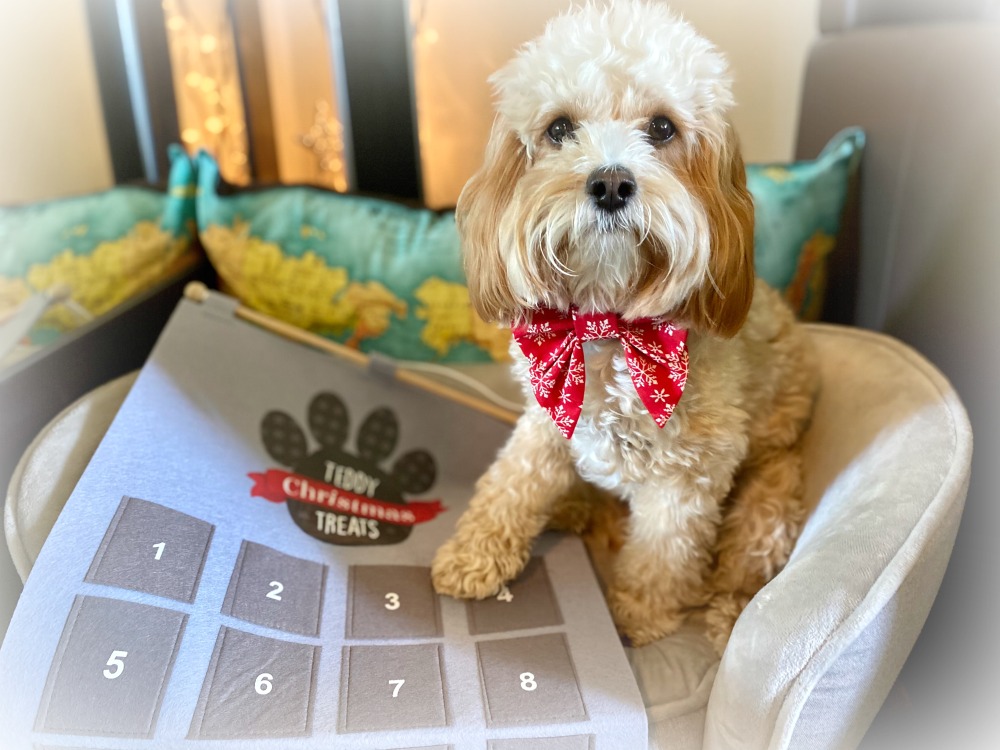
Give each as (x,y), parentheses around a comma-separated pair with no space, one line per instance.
(922,77)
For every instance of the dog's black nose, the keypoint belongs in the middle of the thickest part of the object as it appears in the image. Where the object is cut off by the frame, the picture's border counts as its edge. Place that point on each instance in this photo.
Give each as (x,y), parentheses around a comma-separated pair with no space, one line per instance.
(611,187)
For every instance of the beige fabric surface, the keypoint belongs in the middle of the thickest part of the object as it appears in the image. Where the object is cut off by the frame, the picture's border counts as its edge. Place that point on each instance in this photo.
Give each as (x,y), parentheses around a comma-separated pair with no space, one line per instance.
(887,466)
(814,655)
(51,466)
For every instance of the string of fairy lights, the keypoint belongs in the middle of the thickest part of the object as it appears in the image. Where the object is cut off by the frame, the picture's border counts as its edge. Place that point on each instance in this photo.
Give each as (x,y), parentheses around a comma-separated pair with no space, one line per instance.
(325,136)
(210,104)
(206,82)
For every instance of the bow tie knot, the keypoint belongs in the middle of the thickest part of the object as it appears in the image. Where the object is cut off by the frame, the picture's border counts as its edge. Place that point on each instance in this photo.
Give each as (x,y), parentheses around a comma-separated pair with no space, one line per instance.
(655,352)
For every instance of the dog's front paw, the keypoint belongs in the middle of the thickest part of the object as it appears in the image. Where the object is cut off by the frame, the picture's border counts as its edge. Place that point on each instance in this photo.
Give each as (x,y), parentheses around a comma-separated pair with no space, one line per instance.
(469,569)
(641,620)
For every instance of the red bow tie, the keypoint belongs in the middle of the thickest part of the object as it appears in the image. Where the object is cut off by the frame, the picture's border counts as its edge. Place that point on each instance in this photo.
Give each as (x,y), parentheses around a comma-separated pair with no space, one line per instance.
(655,352)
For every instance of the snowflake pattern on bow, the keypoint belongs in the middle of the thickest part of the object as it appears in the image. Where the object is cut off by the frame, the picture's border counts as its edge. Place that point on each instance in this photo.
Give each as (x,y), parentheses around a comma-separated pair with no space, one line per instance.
(598,329)
(564,419)
(659,396)
(655,352)
(540,384)
(540,332)
(643,371)
(668,412)
(577,373)
(677,361)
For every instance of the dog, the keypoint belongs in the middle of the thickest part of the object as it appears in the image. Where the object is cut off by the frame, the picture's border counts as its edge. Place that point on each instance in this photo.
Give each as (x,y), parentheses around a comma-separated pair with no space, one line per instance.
(611,227)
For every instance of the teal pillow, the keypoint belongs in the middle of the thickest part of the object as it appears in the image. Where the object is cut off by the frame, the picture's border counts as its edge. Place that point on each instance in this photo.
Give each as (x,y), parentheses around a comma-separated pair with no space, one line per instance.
(798,210)
(367,272)
(105,247)
(383,276)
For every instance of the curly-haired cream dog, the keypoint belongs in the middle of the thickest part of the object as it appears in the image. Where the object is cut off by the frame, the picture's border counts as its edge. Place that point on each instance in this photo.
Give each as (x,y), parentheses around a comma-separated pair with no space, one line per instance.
(613,184)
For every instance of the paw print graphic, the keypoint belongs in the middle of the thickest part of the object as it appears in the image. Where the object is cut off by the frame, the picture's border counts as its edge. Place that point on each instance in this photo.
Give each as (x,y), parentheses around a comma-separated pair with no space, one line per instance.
(342,496)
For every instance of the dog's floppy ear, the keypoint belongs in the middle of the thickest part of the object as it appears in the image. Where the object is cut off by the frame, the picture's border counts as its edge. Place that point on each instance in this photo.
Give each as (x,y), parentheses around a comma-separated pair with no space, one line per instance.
(718,179)
(481,208)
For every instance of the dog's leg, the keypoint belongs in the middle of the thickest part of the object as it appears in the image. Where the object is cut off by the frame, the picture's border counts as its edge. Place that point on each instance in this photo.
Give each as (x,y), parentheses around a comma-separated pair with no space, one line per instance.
(512,505)
(764,514)
(757,535)
(600,519)
(661,570)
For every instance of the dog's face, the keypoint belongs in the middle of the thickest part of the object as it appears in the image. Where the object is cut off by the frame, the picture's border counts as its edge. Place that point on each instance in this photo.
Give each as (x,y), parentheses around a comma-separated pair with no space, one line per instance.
(612,179)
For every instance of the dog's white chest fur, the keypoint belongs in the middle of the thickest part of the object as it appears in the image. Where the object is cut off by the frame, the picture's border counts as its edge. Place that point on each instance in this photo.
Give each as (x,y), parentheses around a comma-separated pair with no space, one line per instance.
(616,442)
(613,182)
(617,445)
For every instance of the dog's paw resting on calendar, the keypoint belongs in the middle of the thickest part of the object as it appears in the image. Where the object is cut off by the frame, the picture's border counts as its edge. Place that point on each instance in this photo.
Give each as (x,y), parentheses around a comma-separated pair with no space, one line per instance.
(611,227)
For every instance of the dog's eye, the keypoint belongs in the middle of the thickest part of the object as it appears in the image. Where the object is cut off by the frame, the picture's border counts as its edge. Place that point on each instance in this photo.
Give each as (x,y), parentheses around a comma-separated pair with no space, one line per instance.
(560,129)
(661,129)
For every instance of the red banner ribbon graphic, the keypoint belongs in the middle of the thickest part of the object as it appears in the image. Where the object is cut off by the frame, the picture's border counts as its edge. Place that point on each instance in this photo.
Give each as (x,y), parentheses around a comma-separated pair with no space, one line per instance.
(277,486)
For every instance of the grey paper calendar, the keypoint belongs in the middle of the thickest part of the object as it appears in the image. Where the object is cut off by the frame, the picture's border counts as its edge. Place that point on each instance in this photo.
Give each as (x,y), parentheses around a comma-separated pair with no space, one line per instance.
(245,564)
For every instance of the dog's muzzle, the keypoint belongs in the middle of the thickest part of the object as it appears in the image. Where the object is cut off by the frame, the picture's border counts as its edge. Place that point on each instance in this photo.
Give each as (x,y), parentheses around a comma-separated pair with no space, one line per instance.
(611,187)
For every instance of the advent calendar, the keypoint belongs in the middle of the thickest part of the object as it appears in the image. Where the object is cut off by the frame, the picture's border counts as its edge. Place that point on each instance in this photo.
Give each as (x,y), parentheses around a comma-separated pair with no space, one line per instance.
(245,564)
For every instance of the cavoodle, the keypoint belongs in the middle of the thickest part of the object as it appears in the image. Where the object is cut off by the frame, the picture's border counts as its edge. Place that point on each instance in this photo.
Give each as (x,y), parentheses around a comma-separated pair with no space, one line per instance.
(611,227)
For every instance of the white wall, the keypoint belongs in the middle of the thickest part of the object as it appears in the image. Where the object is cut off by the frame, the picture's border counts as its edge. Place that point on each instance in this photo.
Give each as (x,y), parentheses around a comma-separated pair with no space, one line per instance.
(52,139)
(460,42)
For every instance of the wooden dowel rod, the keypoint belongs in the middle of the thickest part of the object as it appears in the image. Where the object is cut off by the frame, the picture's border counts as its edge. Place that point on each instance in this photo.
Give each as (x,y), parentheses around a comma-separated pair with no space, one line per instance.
(198,292)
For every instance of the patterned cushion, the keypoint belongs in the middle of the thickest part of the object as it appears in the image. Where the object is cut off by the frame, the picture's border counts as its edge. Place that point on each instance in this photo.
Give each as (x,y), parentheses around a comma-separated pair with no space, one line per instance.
(798,212)
(371,273)
(105,247)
